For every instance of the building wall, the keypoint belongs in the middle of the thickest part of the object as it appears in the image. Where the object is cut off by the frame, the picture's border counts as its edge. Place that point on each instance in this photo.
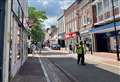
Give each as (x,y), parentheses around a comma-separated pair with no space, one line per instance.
(18,39)
(71,18)
(10,64)
(85,16)
(102,15)
(103,10)
(61,25)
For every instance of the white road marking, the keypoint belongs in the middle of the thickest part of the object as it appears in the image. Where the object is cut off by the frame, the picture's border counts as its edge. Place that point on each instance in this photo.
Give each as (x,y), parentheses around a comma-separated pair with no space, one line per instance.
(44,70)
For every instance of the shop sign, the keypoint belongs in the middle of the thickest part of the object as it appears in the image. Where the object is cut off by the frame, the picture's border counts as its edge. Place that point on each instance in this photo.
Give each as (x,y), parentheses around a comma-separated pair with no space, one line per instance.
(70,35)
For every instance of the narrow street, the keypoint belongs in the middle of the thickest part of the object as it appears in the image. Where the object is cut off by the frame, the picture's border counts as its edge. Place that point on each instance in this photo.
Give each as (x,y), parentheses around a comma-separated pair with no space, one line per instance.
(43,40)
(58,66)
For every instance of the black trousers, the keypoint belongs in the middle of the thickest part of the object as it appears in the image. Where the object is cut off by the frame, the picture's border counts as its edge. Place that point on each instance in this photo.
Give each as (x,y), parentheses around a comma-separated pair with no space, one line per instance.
(81,58)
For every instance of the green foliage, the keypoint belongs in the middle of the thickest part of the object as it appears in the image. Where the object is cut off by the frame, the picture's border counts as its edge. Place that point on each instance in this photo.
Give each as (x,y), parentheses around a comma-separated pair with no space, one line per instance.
(37,17)
(37,34)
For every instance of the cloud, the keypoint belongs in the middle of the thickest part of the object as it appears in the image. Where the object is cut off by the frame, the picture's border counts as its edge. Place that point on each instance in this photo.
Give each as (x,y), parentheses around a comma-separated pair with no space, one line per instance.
(65,3)
(53,8)
(45,3)
(50,21)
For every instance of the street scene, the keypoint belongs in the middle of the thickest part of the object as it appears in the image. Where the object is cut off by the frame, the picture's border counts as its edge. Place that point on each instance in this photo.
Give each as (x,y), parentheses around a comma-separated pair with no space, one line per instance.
(59,66)
(59,40)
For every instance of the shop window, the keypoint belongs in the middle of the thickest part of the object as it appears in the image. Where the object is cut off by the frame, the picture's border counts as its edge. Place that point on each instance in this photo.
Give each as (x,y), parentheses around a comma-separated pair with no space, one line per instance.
(100,8)
(116,3)
(106,5)
(18,43)
(100,17)
(17,9)
(107,15)
(116,11)
(95,13)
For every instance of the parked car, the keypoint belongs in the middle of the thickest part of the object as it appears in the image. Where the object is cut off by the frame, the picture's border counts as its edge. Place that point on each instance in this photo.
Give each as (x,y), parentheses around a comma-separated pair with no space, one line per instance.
(55,46)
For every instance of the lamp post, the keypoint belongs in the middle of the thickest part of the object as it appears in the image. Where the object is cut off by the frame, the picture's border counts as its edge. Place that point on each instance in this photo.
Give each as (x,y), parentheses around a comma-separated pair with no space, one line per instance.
(116,33)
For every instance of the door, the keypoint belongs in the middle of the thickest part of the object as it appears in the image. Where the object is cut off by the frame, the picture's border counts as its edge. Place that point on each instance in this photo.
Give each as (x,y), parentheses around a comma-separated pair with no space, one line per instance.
(102,43)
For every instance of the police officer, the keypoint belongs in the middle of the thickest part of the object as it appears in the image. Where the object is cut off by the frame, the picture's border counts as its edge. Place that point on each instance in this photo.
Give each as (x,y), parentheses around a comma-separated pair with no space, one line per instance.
(80,50)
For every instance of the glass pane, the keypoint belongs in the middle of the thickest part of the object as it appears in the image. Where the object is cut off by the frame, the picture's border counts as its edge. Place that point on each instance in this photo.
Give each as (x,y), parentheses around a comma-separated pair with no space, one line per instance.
(99,8)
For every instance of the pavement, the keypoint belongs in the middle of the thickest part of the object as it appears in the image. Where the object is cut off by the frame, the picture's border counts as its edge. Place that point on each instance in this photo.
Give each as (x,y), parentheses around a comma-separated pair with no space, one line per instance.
(31,71)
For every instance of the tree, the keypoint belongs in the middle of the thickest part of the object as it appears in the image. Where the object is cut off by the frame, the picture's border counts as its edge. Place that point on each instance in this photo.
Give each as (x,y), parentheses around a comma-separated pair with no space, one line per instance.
(36,18)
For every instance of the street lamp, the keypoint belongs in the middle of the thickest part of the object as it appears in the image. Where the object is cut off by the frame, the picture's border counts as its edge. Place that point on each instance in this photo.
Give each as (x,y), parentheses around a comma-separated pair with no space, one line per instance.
(116,33)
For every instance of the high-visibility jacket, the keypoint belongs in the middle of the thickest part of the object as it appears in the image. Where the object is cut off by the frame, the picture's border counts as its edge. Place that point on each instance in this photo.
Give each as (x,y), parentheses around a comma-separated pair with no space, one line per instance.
(80,50)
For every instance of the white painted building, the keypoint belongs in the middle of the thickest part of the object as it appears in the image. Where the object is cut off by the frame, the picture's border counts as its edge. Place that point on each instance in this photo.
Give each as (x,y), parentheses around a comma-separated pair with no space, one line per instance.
(61,30)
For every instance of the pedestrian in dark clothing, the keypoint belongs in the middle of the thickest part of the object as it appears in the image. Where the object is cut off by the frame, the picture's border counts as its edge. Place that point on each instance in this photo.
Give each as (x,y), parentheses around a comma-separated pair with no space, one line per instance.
(80,50)
(70,48)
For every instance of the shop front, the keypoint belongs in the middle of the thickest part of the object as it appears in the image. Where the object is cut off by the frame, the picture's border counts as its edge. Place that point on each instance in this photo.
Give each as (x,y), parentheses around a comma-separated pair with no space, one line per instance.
(104,37)
(61,40)
(86,36)
(70,38)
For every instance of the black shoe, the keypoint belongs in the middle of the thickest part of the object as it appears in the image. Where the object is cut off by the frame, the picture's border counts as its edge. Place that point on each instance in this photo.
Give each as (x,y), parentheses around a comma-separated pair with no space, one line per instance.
(83,64)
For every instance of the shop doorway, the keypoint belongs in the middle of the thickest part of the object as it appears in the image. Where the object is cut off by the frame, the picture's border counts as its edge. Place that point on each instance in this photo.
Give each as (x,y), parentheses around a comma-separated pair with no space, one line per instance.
(61,43)
(102,43)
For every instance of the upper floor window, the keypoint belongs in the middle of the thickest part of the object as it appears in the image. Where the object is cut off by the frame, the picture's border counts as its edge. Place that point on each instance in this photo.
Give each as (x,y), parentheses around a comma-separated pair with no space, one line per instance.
(100,8)
(17,9)
(106,4)
(116,3)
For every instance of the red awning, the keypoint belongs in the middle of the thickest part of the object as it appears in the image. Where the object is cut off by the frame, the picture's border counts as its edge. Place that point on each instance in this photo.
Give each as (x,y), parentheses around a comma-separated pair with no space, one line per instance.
(70,35)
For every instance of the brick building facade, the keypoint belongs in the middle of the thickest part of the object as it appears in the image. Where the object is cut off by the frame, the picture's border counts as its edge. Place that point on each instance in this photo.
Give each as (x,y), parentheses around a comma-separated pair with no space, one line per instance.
(93,19)
(71,22)
(85,21)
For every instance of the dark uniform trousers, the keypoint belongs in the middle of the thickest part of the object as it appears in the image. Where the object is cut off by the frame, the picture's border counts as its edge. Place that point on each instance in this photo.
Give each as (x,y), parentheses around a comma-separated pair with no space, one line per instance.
(81,58)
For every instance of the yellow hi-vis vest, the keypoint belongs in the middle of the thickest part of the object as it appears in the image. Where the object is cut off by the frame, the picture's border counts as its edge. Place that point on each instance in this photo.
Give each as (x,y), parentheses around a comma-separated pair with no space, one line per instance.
(79,50)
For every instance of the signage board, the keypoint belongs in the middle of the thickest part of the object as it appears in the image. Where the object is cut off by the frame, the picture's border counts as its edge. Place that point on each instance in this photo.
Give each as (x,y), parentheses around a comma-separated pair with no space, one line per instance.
(70,35)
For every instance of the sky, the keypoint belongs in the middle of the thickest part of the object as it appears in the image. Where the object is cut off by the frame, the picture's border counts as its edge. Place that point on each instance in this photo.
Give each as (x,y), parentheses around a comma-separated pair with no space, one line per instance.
(53,9)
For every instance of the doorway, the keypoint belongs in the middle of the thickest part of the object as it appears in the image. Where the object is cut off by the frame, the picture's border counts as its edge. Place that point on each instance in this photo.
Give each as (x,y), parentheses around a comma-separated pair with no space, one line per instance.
(102,42)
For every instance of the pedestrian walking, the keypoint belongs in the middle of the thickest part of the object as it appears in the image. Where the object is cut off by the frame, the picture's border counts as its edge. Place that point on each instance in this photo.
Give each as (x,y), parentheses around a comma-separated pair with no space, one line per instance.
(70,49)
(80,50)
(33,46)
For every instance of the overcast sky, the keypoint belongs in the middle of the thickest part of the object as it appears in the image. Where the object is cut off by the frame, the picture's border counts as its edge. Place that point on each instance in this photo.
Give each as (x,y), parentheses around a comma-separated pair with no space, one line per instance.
(53,8)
